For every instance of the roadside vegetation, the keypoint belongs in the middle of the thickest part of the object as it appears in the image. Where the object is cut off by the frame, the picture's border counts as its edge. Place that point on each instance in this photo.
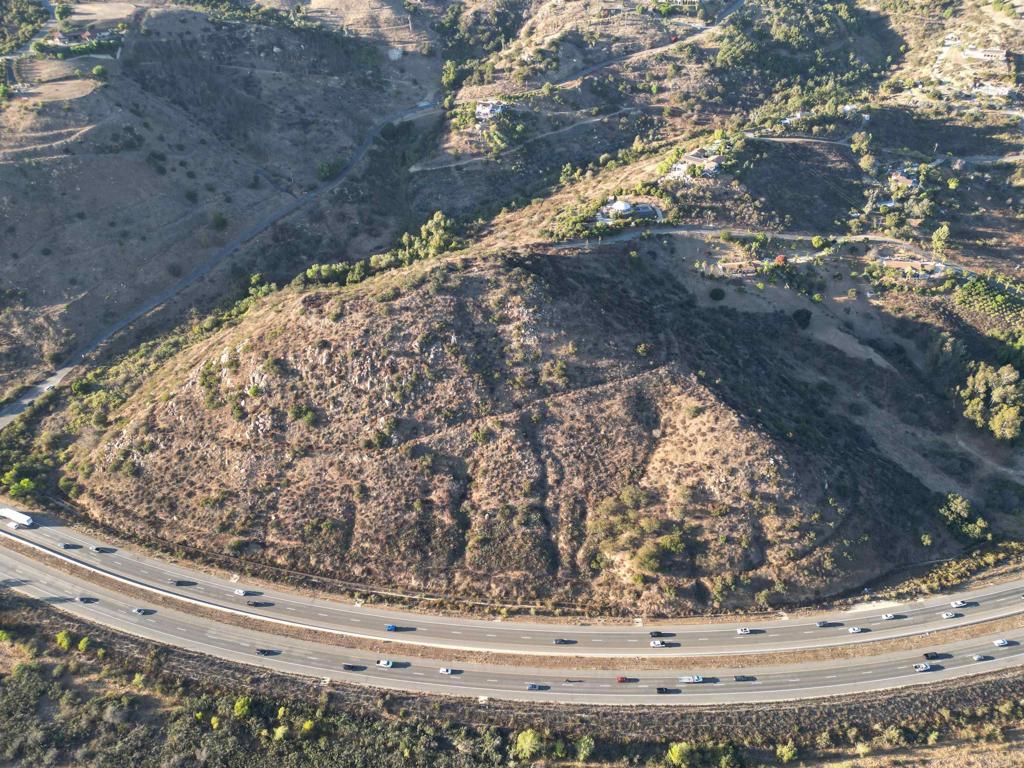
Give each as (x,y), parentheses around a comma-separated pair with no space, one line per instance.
(113,703)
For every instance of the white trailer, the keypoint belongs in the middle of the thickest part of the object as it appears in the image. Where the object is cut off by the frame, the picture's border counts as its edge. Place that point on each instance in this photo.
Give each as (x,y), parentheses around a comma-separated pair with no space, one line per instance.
(15,516)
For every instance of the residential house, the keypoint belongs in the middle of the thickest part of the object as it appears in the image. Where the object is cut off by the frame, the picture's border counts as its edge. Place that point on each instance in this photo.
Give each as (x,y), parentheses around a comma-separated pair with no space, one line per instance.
(994,55)
(488,110)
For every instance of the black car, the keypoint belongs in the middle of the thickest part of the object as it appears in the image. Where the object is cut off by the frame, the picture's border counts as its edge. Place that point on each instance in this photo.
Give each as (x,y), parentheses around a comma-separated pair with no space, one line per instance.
(744,678)
(931,655)
(656,633)
(561,641)
(350,667)
(664,690)
(265,652)
(258,603)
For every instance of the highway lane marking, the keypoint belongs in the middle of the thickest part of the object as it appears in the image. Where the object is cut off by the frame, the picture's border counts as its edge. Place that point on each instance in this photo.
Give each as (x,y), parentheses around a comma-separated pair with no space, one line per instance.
(324,615)
(1013,591)
(781,690)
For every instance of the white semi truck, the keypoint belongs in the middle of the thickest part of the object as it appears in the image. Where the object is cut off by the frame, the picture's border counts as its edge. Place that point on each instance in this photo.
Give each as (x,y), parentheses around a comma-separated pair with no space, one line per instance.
(16,517)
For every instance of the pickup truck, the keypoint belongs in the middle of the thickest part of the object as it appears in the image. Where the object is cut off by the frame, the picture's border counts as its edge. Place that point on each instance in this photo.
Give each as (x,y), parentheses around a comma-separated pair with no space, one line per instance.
(690,679)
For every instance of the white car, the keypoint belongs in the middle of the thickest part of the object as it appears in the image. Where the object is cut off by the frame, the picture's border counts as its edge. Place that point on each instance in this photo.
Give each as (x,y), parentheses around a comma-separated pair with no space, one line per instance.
(888,616)
(958,604)
(979,657)
(241,592)
(743,631)
(855,630)
(385,663)
(140,611)
(658,644)
(922,667)
(949,615)
(1000,643)
(445,670)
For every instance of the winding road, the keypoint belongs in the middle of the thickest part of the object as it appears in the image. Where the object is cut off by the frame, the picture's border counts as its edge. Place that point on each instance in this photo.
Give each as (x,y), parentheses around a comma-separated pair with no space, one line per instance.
(299,657)
(686,643)
(279,606)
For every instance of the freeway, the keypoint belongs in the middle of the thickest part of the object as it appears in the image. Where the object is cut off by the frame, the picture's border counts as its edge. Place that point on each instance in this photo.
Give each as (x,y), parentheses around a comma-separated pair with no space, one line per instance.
(279,606)
(200,634)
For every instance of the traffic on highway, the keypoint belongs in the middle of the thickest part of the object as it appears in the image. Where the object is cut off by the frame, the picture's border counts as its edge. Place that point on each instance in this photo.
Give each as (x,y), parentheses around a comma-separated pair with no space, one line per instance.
(98,600)
(277,605)
(688,684)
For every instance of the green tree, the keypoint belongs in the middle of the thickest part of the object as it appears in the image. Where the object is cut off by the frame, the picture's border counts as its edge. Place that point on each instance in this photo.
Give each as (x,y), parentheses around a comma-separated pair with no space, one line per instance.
(83,644)
(786,752)
(993,398)
(940,239)
(528,745)
(584,748)
(449,75)
(63,640)
(1006,423)
(99,72)
(680,754)
(958,516)
(243,706)
(860,142)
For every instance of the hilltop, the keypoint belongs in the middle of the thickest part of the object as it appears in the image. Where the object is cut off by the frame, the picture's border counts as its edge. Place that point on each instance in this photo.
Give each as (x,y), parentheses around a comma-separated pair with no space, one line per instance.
(582,426)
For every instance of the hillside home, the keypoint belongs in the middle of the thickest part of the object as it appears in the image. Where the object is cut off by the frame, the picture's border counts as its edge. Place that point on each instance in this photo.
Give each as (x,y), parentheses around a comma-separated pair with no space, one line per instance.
(488,110)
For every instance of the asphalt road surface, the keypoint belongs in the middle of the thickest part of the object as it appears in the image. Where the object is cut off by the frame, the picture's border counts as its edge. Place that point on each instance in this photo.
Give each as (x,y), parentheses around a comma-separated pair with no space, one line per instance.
(176,628)
(278,605)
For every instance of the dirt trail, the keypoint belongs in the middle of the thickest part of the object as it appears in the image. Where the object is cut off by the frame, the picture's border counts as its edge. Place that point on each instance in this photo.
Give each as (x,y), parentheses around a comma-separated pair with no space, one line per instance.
(1013,473)
(420,167)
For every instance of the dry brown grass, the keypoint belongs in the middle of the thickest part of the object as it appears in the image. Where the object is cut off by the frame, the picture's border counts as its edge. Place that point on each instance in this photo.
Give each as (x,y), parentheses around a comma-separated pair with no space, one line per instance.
(509,397)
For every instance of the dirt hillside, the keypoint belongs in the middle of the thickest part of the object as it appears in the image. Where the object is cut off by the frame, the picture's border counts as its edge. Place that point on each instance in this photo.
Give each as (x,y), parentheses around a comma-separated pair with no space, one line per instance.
(564,426)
